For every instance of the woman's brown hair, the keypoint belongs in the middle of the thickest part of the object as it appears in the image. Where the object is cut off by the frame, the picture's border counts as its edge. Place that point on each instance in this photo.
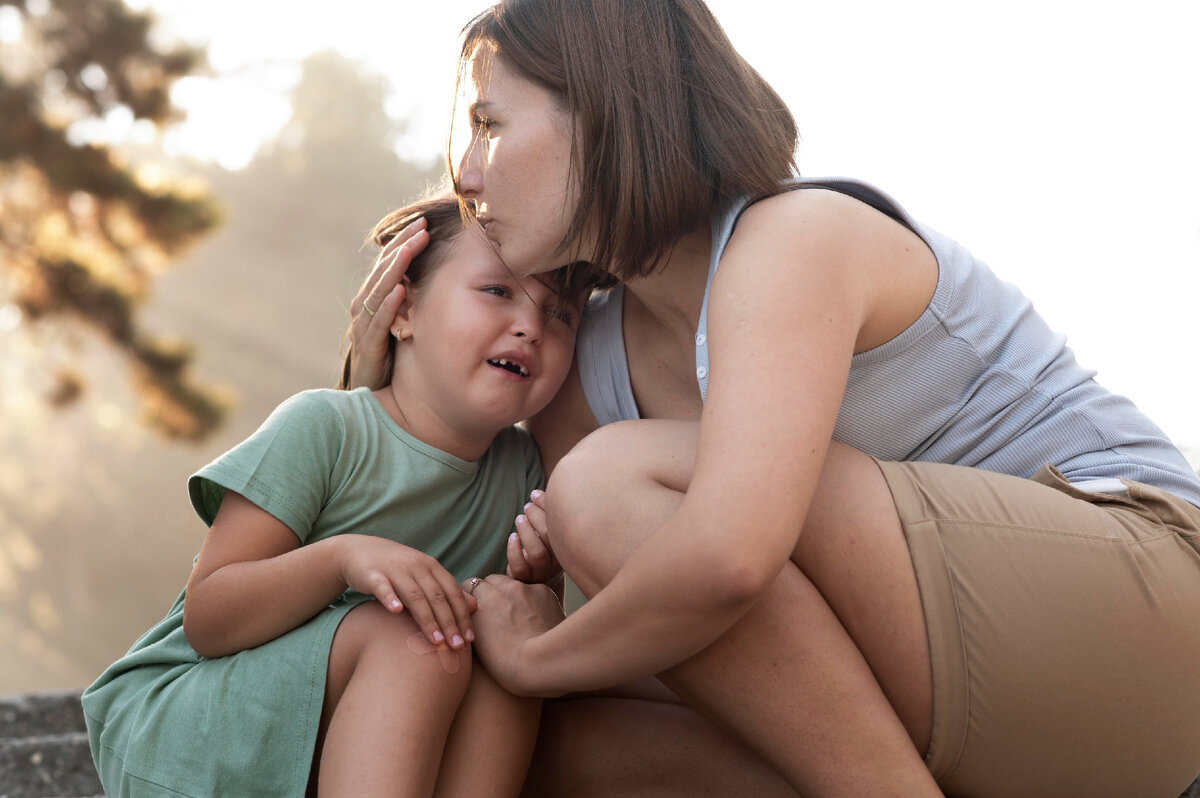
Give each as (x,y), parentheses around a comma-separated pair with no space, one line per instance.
(668,119)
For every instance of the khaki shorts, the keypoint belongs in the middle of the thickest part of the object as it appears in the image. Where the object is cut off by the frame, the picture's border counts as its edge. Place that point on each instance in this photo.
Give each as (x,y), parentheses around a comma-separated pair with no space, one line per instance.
(1064,632)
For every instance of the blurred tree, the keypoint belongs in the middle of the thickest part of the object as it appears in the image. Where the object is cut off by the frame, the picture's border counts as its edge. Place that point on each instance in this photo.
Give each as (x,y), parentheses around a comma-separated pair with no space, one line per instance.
(83,232)
(334,164)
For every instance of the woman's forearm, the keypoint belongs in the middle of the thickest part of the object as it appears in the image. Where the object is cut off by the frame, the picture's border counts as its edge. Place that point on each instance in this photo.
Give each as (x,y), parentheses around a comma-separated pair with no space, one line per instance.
(660,609)
(246,604)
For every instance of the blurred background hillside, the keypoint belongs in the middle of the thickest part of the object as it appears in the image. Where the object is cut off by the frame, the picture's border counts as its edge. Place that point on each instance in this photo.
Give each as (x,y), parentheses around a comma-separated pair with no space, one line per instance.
(167,278)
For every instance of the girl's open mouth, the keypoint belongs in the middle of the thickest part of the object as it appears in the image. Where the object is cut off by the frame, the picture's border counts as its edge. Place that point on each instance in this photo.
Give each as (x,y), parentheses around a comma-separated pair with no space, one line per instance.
(508,365)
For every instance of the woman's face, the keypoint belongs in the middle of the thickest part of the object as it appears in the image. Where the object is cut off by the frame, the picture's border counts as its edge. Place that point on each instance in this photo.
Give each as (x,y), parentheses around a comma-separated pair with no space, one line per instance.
(517,166)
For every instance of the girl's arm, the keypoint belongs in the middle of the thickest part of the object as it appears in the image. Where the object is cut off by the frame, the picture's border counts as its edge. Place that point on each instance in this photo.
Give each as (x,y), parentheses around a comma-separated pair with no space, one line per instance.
(556,429)
(797,288)
(253,582)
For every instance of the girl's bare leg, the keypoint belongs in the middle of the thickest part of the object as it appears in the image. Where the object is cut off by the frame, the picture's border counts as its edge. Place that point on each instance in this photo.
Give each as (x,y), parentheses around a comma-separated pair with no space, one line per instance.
(827,676)
(387,708)
(491,741)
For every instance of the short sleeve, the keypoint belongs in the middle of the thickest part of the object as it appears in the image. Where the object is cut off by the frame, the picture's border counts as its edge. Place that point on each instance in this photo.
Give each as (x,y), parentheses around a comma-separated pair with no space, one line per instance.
(285,467)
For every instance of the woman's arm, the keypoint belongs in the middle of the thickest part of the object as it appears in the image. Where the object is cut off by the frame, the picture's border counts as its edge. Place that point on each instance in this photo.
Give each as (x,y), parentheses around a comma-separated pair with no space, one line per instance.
(374,308)
(781,340)
(253,582)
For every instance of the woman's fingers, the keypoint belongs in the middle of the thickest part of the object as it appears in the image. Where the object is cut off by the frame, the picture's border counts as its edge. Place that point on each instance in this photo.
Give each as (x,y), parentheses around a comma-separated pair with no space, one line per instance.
(390,265)
(375,307)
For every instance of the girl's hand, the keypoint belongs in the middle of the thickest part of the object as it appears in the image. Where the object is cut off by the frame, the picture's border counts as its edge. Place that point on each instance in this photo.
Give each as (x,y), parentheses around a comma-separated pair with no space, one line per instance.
(403,578)
(510,613)
(530,557)
(375,305)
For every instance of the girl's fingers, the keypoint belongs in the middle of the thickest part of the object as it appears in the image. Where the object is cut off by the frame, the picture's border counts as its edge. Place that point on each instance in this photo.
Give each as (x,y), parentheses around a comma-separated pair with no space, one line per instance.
(518,568)
(536,515)
(459,604)
(441,611)
(536,552)
(422,614)
(382,589)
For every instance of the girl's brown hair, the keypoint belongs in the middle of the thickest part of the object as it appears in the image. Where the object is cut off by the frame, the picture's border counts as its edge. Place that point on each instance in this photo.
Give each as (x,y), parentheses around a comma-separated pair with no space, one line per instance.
(668,120)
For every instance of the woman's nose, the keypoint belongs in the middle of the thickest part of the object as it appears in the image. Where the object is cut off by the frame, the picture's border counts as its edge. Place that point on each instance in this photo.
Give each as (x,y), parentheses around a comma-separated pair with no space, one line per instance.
(469,177)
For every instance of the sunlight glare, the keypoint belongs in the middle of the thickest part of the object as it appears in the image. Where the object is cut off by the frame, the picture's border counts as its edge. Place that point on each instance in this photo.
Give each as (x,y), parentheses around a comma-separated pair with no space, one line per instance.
(10,25)
(227,118)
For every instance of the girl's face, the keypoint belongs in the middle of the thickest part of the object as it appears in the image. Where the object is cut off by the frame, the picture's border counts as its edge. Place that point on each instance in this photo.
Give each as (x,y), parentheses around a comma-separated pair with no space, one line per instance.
(516,166)
(483,348)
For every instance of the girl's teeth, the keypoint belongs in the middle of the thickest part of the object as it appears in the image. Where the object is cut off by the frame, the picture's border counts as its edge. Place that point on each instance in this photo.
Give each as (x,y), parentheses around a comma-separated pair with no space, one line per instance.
(503,362)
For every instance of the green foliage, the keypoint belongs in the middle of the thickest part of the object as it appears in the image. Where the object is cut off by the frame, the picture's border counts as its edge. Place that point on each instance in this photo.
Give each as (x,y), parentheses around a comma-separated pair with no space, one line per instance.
(82,232)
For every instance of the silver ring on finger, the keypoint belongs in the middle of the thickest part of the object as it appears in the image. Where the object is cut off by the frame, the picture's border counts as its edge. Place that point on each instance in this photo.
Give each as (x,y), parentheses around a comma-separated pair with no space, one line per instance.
(473,583)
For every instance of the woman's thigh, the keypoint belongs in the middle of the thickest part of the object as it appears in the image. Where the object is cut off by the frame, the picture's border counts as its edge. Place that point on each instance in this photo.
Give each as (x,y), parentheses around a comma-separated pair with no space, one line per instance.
(1062,629)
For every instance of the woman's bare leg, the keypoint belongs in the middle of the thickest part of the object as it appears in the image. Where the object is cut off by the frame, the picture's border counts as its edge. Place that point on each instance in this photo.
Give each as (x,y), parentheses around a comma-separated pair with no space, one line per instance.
(626,747)
(388,709)
(827,676)
(491,741)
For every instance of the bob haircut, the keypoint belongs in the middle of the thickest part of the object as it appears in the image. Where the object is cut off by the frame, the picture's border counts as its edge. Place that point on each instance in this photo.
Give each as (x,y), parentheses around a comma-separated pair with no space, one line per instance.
(445,222)
(668,121)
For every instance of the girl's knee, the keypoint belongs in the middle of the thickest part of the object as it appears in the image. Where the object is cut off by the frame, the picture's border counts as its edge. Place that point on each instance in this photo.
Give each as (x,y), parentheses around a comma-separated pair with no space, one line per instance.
(375,643)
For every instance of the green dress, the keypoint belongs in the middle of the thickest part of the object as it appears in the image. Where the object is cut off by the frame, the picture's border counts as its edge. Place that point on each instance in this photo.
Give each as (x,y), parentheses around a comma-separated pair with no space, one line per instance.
(164,720)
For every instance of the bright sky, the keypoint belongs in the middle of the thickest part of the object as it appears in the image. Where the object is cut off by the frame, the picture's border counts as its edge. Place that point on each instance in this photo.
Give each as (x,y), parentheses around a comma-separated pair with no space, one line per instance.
(1058,139)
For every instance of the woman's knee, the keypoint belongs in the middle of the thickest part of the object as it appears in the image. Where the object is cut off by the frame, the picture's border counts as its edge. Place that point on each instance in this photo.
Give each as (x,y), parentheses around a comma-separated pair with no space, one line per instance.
(612,490)
(604,474)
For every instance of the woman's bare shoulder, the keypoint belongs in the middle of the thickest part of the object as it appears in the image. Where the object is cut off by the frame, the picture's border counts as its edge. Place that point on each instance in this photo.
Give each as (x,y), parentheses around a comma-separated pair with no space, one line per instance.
(823,234)
(819,213)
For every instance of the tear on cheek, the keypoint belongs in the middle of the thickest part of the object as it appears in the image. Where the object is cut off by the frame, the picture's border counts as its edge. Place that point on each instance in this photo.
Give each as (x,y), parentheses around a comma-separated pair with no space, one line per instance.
(447,657)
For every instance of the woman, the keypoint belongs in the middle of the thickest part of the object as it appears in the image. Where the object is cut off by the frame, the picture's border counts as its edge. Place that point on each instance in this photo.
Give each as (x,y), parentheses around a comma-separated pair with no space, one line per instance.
(835,529)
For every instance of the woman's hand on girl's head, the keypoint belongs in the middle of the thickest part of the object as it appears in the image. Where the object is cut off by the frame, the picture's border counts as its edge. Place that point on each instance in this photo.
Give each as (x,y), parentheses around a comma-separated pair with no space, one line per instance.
(511,613)
(375,305)
(403,578)
(530,556)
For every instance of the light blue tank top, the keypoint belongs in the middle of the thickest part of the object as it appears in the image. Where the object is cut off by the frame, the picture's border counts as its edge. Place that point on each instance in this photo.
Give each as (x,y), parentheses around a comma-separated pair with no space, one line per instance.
(978,379)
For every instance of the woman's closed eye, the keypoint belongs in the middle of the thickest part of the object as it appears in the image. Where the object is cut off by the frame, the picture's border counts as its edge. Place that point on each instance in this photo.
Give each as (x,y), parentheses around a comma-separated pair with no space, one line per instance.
(560,312)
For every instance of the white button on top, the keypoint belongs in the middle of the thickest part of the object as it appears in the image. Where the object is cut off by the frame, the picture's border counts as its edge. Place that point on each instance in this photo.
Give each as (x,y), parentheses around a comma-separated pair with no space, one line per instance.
(701,371)
(700,339)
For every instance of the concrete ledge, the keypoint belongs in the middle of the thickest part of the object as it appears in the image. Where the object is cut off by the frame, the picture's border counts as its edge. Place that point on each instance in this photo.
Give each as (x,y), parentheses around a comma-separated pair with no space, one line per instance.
(44,748)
